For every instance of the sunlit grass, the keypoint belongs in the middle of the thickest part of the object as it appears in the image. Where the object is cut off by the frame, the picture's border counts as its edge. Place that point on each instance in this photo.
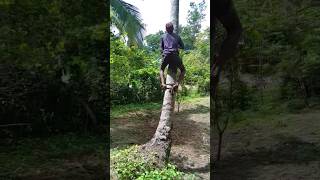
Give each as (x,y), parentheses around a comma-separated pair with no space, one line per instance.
(123,110)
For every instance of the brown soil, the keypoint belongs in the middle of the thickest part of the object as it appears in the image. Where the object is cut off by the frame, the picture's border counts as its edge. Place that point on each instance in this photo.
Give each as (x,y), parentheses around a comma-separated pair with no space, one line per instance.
(285,147)
(190,135)
(279,147)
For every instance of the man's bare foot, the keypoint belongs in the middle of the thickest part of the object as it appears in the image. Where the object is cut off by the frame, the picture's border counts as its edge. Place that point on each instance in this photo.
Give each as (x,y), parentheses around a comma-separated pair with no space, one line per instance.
(175,86)
(163,86)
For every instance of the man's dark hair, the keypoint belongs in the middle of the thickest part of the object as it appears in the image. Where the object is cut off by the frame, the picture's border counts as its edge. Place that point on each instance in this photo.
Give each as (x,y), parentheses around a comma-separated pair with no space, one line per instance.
(169,27)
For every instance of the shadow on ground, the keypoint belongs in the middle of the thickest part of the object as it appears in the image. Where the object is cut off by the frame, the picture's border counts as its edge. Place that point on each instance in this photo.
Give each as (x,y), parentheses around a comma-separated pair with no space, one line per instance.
(190,136)
(180,161)
(198,109)
(289,150)
(138,130)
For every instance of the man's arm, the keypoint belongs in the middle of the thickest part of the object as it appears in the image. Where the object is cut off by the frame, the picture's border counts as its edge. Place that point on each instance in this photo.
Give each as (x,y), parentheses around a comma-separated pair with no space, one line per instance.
(163,85)
(161,45)
(181,45)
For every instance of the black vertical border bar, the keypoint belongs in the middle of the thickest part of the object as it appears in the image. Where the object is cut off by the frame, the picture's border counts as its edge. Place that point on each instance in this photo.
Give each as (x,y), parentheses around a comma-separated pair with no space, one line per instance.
(107,92)
(212,39)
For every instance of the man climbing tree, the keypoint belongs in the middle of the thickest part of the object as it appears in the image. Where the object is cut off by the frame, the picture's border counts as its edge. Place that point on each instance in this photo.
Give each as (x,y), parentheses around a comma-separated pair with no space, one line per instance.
(160,143)
(170,44)
(225,13)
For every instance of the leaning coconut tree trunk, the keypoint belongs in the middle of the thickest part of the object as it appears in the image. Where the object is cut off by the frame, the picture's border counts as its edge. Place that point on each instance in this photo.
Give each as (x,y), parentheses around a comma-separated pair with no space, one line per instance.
(160,144)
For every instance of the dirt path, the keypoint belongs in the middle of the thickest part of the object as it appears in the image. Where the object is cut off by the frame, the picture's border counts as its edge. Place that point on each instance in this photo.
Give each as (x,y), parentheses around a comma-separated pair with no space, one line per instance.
(284,147)
(190,148)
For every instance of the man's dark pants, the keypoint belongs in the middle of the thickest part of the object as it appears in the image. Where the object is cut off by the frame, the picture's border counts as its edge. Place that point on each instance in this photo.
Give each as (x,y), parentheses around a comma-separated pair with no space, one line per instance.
(173,60)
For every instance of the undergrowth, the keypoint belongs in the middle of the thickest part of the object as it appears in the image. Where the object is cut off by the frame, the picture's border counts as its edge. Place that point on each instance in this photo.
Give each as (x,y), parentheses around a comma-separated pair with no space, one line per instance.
(118,111)
(27,156)
(130,164)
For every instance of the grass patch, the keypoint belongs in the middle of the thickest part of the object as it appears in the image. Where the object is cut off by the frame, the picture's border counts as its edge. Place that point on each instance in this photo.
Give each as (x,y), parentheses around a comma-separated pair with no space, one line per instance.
(122,110)
(268,108)
(128,163)
(29,155)
(191,98)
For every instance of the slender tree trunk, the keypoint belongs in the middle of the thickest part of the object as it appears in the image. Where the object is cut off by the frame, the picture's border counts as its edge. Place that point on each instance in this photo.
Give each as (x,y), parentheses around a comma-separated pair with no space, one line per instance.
(175,15)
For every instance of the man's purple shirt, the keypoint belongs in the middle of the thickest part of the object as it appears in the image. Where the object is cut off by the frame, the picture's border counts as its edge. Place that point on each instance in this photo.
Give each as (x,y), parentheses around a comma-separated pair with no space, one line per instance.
(170,43)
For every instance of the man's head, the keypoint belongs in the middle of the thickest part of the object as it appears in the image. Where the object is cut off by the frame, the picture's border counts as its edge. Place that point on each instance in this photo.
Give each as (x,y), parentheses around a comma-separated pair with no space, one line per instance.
(169,27)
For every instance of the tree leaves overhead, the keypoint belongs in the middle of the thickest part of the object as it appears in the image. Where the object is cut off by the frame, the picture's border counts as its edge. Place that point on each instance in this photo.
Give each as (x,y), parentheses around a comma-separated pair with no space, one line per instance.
(126,18)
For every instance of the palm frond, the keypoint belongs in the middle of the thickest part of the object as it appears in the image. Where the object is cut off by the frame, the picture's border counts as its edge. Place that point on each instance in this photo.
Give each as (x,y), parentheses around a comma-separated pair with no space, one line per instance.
(126,18)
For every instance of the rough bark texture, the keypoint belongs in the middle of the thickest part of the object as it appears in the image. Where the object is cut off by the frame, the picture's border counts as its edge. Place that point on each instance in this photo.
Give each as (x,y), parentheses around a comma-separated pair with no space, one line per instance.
(175,15)
(160,144)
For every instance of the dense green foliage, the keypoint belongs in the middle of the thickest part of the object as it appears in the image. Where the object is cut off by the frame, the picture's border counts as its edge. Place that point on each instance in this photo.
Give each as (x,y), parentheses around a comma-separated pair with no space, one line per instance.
(53,65)
(134,74)
(284,47)
(135,70)
(195,17)
(130,164)
(277,51)
(153,42)
(197,63)
(275,70)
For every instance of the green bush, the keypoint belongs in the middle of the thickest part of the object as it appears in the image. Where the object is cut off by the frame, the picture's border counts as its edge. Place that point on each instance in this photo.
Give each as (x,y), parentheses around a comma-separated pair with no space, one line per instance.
(169,172)
(130,164)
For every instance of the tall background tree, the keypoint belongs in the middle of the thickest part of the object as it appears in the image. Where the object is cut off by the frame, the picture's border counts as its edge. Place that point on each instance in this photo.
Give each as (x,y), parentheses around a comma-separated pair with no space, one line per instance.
(196,15)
